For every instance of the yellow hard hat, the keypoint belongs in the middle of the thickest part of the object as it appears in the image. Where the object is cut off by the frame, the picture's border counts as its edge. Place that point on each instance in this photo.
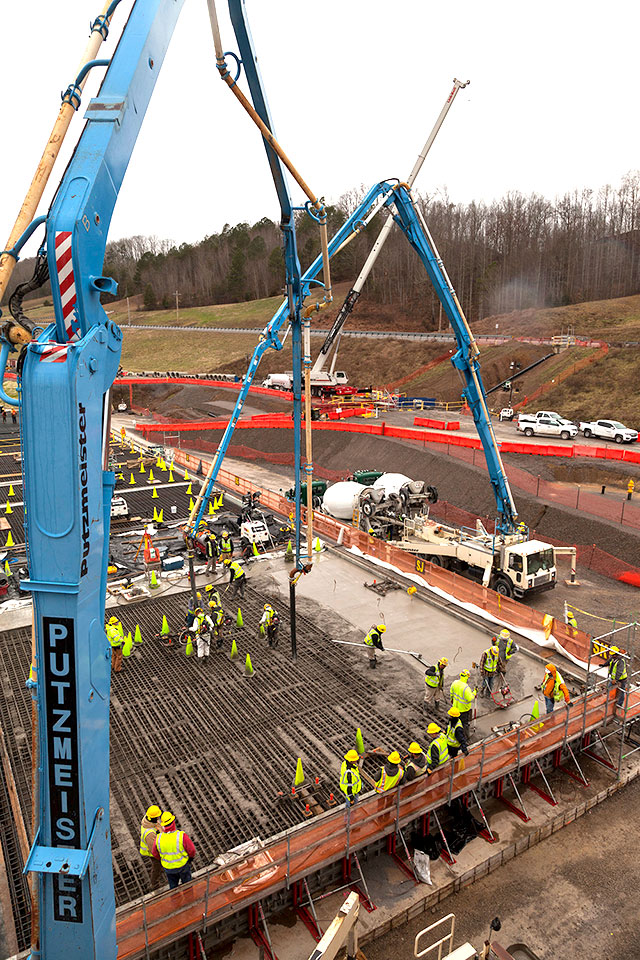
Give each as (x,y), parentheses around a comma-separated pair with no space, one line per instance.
(267,606)
(504,634)
(227,561)
(432,729)
(153,812)
(615,649)
(352,756)
(382,628)
(394,757)
(113,620)
(167,819)
(464,674)
(198,610)
(443,661)
(495,649)
(415,747)
(225,533)
(453,712)
(199,595)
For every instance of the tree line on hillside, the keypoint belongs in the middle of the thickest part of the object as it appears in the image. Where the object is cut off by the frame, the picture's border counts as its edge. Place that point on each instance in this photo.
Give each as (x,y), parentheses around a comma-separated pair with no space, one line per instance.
(514,253)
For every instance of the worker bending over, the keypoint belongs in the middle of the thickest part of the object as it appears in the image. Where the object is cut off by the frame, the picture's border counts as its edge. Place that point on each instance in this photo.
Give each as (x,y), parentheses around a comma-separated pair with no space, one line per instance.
(269,623)
(149,829)
(506,646)
(391,773)
(462,697)
(202,628)
(373,640)
(237,577)
(438,751)
(553,687)
(416,763)
(175,851)
(115,636)
(617,674)
(489,668)
(455,734)
(350,779)
(434,683)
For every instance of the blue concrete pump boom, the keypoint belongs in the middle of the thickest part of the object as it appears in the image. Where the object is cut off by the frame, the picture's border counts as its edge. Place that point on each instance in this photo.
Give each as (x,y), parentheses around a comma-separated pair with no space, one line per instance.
(64,381)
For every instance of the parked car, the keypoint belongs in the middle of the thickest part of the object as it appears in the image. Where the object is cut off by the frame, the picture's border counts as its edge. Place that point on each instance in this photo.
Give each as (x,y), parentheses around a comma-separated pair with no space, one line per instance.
(609,430)
(506,414)
(546,426)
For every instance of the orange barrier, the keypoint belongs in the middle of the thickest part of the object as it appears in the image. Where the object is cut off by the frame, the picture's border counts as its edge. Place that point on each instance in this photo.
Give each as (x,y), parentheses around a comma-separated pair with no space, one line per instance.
(217,893)
(436,424)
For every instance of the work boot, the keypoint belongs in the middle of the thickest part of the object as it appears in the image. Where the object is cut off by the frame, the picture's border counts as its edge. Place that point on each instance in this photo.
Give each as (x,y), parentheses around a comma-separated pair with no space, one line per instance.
(372,664)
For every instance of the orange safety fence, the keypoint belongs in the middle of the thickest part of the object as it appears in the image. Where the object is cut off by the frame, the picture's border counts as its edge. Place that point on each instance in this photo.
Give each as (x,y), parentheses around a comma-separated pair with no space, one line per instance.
(416,373)
(159,919)
(601,352)
(495,606)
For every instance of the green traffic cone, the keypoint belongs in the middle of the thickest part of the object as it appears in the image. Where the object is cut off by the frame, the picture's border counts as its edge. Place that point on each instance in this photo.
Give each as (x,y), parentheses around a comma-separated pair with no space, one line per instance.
(288,556)
(299,777)
(234,651)
(239,620)
(137,636)
(255,550)
(248,667)
(154,580)
(165,626)
(188,650)
(359,742)
(127,646)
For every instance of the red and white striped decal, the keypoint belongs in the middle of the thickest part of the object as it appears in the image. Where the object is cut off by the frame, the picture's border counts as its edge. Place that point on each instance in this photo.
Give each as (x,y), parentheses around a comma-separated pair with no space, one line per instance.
(66,282)
(55,353)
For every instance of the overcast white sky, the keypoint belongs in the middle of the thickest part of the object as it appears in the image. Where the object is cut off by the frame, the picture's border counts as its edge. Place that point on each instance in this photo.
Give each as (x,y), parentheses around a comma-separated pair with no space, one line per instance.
(354,87)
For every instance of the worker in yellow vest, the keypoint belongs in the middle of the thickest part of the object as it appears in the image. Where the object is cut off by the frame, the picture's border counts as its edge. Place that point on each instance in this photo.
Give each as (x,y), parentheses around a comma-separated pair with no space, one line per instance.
(617,673)
(455,734)
(115,636)
(373,641)
(175,851)
(572,623)
(415,764)
(462,697)
(434,683)
(438,751)
(149,829)
(391,773)
(350,779)
(489,668)
(237,577)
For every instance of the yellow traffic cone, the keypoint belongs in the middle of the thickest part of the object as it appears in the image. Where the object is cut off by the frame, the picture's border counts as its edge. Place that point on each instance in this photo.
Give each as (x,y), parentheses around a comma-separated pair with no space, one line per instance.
(186,474)
(189,489)
(9,542)
(121,477)
(239,620)
(159,463)
(234,650)
(154,580)
(11,492)
(219,502)
(131,481)
(142,469)
(299,777)
(154,495)
(211,510)
(7,568)
(317,544)
(8,509)
(191,503)
(359,742)
(155,514)
(171,480)
(255,550)
(248,667)
(160,516)
(151,478)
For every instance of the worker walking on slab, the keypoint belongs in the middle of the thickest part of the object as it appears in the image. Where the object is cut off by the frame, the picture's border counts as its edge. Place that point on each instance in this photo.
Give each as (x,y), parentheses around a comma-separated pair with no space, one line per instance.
(175,851)
(373,640)
(489,668)
(553,687)
(237,577)
(434,684)
(217,615)
(391,773)
(462,697)
(211,550)
(226,545)
(438,750)
(269,623)
(415,764)
(202,628)
(350,779)
(115,636)
(617,674)
(149,829)
(455,734)
(507,648)
(570,620)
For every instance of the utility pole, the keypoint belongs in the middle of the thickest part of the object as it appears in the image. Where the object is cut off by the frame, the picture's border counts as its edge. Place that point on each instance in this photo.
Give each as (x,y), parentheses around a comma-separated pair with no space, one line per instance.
(128,312)
(177,313)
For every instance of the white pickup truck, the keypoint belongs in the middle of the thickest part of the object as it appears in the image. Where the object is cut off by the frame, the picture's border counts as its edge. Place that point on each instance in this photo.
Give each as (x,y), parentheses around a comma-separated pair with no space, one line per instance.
(609,430)
(545,425)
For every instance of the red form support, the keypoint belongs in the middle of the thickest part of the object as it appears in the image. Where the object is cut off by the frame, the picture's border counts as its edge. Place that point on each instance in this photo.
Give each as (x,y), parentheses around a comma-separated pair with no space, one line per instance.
(257,935)
(579,777)
(526,779)
(393,852)
(511,806)
(304,914)
(346,876)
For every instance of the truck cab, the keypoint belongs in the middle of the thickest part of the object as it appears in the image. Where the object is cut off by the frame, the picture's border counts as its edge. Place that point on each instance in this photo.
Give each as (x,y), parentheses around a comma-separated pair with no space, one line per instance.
(530,567)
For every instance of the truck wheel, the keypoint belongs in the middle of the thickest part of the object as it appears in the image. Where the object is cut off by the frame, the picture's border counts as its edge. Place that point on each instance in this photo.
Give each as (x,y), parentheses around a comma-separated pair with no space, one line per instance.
(503,587)
(435,560)
(587,433)
(565,434)
(618,438)
(528,432)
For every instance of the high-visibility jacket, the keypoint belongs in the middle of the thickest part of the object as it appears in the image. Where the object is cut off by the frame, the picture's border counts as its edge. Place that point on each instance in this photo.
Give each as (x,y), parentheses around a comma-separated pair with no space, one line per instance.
(454,727)
(462,696)
(350,779)
(434,679)
(438,751)
(211,547)
(147,835)
(416,766)
(374,638)
(267,617)
(201,624)
(510,649)
(571,620)
(218,616)
(490,661)
(617,668)
(389,777)
(170,846)
(115,634)
(236,570)
(226,545)
(557,692)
